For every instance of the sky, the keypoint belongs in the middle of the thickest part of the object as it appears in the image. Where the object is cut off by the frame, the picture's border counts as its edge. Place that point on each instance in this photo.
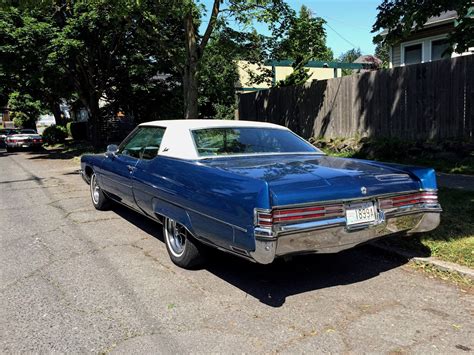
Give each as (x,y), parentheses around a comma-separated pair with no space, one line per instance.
(349,22)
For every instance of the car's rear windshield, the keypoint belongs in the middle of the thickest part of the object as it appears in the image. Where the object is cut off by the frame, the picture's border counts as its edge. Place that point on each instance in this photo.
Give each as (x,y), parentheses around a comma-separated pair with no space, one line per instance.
(28,131)
(248,140)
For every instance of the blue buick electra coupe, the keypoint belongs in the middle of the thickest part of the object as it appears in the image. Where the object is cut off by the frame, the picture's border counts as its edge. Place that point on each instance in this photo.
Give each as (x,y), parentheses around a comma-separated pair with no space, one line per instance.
(256,190)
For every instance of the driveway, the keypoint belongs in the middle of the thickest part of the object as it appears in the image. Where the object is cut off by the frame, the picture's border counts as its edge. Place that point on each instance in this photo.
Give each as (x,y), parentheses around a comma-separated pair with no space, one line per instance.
(74,279)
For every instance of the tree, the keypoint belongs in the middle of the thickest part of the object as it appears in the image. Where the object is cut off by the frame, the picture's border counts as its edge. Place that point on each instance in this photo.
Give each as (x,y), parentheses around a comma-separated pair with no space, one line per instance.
(382,52)
(306,38)
(217,76)
(24,69)
(401,17)
(243,12)
(299,75)
(349,57)
(98,52)
(24,109)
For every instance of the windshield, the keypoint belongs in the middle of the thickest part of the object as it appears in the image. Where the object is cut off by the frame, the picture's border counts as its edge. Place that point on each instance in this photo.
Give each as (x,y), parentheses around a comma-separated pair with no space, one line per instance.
(248,140)
(28,131)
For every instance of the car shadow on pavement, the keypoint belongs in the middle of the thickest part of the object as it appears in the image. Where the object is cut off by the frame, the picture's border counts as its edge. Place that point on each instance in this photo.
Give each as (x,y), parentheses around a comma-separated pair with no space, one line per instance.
(272,284)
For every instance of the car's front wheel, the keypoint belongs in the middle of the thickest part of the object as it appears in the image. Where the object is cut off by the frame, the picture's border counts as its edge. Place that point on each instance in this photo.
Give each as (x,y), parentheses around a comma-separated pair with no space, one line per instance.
(182,248)
(99,199)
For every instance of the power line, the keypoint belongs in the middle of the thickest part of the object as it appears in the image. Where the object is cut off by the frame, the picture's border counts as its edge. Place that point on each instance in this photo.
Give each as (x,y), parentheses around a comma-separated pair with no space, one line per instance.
(342,37)
(346,23)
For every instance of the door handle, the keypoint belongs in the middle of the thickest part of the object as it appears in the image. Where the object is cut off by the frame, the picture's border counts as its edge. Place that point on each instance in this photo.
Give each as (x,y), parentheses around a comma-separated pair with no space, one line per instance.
(131,168)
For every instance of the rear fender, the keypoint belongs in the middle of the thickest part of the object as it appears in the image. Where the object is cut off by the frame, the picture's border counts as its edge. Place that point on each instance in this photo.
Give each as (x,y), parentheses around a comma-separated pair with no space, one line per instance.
(426,176)
(162,208)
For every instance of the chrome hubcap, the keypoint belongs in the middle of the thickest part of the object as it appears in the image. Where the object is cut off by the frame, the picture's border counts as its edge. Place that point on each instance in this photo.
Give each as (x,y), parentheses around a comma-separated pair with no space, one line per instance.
(95,189)
(175,235)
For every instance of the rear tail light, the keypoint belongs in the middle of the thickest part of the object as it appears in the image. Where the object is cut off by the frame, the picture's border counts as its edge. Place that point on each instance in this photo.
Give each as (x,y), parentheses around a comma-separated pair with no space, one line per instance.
(267,218)
(428,197)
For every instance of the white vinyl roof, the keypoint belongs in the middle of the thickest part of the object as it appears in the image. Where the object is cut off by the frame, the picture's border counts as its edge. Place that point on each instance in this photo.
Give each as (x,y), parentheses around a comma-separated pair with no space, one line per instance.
(178,142)
(196,124)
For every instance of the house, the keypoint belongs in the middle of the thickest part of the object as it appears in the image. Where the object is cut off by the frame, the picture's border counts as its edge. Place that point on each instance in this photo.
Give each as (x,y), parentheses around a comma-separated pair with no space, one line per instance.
(427,44)
(279,70)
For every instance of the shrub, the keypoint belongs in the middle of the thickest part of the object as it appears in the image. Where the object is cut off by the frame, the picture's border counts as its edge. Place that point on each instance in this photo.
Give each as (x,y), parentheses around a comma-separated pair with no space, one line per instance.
(77,130)
(55,134)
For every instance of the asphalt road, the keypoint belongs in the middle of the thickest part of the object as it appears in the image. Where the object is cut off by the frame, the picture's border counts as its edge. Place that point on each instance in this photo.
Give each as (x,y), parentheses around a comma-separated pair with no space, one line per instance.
(74,279)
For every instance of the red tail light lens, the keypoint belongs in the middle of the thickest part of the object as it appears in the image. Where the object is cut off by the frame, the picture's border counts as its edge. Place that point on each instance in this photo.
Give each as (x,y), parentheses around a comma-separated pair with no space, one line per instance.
(429,197)
(267,219)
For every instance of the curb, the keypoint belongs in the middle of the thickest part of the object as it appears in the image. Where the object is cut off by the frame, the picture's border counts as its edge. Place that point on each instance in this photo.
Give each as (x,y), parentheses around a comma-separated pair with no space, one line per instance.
(440,265)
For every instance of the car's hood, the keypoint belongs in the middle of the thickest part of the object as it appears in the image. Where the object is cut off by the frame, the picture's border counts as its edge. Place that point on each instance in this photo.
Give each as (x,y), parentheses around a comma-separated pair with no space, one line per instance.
(308,178)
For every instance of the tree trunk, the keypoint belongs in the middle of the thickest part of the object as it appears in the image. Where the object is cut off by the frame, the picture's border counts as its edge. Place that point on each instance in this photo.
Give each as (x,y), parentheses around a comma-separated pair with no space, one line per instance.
(91,103)
(191,91)
(95,121)
(56,109)
(190,81)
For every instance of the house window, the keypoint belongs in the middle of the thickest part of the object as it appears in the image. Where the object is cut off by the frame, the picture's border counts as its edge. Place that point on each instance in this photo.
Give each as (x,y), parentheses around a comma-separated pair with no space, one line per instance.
(440,49)
(413,54)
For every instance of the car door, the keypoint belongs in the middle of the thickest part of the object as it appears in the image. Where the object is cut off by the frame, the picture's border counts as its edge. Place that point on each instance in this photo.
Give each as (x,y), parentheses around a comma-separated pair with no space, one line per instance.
(118,169)
(147,176)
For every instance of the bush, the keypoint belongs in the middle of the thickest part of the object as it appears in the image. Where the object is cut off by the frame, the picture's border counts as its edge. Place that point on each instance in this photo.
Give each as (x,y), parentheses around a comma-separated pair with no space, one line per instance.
(55,134)
(77,130)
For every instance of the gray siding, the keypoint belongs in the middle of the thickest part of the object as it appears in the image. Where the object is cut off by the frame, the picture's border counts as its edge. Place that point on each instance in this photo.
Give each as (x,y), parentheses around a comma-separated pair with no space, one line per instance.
(396,56)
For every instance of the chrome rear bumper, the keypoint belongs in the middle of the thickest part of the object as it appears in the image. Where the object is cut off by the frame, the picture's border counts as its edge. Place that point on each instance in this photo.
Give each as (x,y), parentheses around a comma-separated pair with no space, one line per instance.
(331,236)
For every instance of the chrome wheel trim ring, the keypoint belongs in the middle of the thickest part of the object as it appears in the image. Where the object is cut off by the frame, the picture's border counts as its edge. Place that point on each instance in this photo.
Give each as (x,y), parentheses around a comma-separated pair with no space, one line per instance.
(95,190)
(175,235)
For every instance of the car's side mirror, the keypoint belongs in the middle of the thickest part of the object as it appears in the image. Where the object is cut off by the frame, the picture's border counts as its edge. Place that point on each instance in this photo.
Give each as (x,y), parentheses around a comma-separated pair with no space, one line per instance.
(112,150)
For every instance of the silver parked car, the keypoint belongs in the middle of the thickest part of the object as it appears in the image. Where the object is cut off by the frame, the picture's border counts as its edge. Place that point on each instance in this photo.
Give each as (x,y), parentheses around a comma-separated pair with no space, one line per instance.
(26,138)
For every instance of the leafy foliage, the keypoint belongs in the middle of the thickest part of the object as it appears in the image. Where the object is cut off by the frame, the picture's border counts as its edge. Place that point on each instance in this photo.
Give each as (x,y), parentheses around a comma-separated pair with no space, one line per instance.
(24,109)
(217,76)
(382,52)
(299,75)
(306,38)
(349,57)
(55,134)
(400,17)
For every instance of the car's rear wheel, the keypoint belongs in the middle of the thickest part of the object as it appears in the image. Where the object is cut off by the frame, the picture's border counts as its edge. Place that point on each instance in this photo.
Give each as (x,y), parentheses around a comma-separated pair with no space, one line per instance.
(99,199)
(9,149)
(182,248)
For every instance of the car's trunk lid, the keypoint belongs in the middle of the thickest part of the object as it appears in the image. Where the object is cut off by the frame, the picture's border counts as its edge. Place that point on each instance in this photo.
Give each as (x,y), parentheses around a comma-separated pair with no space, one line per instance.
(296,179)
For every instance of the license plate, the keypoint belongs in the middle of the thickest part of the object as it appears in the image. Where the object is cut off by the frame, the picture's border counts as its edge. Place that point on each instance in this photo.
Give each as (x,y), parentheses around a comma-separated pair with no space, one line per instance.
(360,213)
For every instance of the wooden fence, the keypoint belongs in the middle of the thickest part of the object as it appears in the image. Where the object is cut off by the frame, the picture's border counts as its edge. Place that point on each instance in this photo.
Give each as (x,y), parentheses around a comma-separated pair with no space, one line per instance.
(417,102)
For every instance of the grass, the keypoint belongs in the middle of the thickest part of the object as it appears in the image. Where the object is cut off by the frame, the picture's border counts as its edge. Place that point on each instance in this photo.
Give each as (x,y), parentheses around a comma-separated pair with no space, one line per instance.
(434,272)
(453,240)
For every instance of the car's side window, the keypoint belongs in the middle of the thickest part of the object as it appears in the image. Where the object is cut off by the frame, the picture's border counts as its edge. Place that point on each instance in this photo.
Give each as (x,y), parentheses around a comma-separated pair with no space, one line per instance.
(150,150)
(144,143)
